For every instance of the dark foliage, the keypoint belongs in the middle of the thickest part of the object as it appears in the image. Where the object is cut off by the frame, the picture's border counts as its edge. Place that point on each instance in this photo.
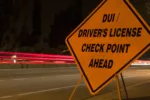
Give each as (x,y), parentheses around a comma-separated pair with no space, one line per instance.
(64,23)
(5,13)
(35,36)
(143,7)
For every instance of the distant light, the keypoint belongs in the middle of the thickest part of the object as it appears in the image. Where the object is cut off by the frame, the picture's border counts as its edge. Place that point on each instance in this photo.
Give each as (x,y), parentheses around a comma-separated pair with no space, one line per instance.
(59,62)
(14,56)
(14,61)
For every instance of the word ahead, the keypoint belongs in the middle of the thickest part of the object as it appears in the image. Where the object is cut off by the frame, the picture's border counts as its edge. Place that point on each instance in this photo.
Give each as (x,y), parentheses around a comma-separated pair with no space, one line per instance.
(101,63)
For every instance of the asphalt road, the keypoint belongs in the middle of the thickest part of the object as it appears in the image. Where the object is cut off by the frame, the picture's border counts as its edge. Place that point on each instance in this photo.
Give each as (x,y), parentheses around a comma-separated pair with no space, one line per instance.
(58,83)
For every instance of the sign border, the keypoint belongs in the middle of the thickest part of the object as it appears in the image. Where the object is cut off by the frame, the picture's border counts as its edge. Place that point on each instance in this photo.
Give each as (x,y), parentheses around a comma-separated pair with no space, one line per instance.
(127,64)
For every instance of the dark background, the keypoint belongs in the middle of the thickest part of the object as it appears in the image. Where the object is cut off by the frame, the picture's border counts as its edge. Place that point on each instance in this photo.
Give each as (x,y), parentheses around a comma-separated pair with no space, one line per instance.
(40,26)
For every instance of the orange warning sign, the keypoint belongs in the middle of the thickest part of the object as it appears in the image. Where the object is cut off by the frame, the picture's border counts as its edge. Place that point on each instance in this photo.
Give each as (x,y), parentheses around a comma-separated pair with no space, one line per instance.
(107,42)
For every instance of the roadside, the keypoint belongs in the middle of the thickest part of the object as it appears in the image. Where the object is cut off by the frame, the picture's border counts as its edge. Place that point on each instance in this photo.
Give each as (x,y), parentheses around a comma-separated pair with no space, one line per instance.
(139,91)
(21,66)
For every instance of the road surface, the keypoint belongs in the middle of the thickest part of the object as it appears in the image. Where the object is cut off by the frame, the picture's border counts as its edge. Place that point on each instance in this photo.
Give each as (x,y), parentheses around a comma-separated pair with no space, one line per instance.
(58,83)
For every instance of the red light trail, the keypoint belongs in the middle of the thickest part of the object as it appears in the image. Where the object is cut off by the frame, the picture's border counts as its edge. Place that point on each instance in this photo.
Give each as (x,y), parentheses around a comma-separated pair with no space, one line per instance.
(34,58)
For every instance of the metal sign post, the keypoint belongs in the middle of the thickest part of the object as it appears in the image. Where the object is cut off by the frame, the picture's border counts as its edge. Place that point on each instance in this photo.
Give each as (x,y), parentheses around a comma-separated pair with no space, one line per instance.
(118,87)
(73,92)
(124,86)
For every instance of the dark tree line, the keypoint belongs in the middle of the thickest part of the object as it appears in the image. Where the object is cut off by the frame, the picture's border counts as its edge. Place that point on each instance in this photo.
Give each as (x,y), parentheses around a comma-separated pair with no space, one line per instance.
(13,40)
(30,39)
(64,23)
(10,10)
(10,39)
(5,12)
(143,7)
(36,33)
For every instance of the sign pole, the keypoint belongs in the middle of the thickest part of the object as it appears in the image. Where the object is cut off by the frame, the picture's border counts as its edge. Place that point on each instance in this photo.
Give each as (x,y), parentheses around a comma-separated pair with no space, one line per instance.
(124,85)
(118,87)
(73,92)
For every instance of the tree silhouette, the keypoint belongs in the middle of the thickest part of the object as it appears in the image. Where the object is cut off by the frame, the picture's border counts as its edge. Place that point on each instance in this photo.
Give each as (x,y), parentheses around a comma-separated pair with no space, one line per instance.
(24,35)
(36,33)
(5,13)
(64,23)
(10,11)
(143,7)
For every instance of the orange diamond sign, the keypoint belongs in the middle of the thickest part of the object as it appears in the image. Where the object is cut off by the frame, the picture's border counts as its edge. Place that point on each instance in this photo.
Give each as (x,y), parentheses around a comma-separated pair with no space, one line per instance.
(107,42)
